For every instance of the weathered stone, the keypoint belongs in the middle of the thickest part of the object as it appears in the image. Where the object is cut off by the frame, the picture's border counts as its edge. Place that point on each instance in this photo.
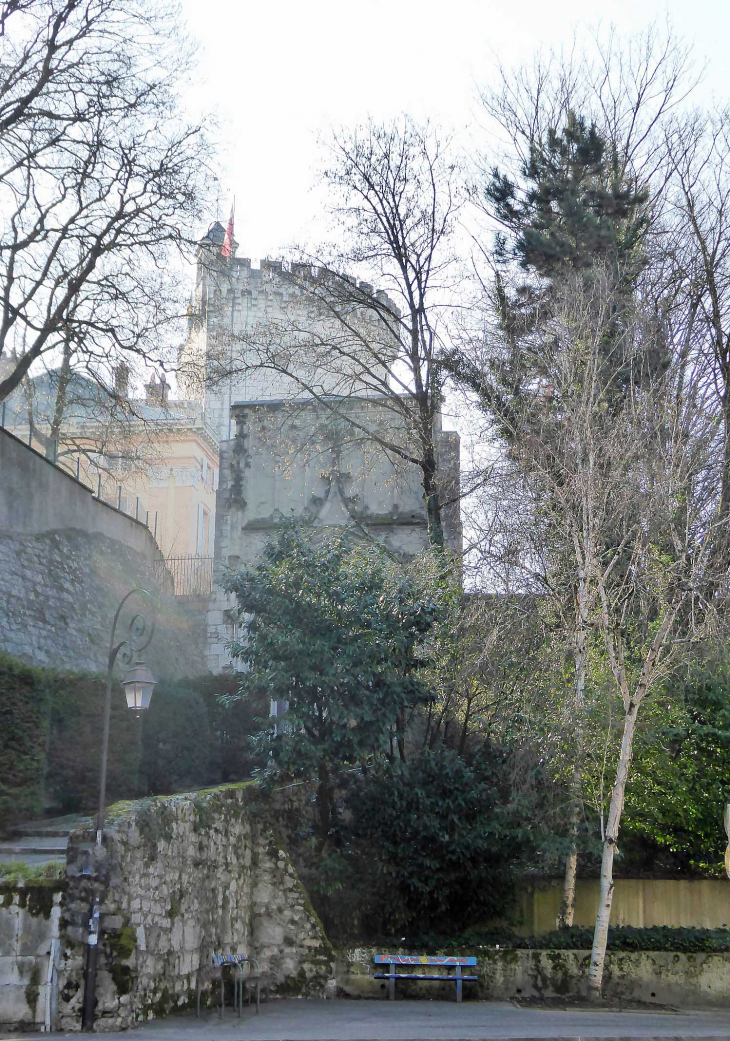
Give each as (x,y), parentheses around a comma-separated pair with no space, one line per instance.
(213,885)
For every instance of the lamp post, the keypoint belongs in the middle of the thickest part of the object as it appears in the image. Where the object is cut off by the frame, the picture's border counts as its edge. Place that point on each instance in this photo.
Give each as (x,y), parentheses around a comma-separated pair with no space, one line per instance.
(138,685)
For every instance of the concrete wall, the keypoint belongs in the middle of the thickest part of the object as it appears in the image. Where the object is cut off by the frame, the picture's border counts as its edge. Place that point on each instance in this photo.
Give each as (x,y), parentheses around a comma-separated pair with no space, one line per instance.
(701,903)
(653,977)
(36,497)
(184,877)
(29,953)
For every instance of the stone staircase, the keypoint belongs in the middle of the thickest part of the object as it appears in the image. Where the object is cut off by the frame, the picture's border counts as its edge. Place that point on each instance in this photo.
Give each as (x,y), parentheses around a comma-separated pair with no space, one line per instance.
(39,842)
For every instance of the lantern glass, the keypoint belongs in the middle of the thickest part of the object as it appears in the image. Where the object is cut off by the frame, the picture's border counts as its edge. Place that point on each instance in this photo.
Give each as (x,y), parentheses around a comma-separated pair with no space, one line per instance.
(138,685)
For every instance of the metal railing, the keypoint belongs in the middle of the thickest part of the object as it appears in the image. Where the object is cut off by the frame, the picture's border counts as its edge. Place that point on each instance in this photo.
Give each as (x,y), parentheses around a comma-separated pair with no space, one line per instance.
(191,575)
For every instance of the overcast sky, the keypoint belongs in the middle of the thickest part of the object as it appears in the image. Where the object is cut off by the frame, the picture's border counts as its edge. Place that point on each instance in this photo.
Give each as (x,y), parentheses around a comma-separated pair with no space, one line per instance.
(280,72)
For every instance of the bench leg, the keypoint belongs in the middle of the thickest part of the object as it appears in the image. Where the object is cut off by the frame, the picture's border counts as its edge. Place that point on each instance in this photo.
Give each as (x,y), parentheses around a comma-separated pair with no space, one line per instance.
(391,983)
(458,983)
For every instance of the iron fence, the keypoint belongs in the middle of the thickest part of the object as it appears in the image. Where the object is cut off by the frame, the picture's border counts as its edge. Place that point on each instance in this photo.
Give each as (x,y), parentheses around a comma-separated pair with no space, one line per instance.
(191,575)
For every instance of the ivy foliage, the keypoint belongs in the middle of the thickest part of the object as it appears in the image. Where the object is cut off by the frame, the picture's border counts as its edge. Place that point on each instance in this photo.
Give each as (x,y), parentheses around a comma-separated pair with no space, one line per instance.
(620,938)
(676,801)
(50,740)
(23,730)
(196,733)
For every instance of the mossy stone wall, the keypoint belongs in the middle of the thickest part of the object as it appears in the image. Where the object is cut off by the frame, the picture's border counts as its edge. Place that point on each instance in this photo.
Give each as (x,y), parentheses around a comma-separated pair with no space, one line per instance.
(30,914)
(184,877)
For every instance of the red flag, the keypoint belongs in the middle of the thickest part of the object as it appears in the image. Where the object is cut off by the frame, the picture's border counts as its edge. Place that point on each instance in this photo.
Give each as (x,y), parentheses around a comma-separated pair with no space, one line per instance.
(227,248)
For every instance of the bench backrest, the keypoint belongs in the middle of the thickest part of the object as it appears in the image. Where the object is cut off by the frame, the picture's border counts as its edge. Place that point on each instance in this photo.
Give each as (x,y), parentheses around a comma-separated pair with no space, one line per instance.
(422,959)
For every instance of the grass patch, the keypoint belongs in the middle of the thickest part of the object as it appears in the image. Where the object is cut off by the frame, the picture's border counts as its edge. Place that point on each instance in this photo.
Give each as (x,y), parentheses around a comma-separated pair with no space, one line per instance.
(14,871)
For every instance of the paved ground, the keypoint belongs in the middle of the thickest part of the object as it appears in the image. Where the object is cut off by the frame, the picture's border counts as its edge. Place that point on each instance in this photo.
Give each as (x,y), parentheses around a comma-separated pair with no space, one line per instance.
(424,1021)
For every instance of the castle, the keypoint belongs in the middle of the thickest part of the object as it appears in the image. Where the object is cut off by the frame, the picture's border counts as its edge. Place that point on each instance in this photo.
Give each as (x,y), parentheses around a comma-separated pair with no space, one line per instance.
(293,409)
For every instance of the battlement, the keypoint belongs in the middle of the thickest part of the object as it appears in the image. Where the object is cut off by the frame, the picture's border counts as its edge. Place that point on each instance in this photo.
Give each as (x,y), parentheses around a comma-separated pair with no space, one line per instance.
(225,276)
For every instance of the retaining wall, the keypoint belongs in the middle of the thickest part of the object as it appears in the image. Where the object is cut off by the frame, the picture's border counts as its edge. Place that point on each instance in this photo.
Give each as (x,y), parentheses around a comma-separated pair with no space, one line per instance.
(184,877)
(38,496)
(66,561)
(652,977)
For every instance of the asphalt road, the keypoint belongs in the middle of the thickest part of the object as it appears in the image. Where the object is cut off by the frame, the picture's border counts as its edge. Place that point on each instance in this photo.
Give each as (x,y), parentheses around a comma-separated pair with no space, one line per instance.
(422,1021)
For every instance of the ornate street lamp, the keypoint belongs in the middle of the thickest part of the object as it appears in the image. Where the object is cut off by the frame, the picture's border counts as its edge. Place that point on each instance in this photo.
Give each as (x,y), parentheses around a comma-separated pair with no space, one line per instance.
(138,685)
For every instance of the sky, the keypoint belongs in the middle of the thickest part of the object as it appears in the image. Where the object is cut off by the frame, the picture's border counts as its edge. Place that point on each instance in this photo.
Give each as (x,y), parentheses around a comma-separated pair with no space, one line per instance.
(278,74)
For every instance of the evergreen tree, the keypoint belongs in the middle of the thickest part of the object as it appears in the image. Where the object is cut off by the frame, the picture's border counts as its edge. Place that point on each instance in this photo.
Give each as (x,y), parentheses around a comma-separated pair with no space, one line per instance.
(340,635)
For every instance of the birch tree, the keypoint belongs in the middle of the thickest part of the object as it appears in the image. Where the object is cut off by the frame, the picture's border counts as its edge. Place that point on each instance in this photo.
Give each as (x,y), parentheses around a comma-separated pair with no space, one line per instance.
(628,488)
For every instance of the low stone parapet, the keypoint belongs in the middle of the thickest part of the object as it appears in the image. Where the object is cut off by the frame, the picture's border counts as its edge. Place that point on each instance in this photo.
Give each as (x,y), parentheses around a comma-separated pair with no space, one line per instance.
(647,977)
(29,953)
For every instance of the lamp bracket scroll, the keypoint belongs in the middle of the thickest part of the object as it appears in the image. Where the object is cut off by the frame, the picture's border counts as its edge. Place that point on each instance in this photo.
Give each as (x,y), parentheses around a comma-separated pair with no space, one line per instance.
(140,630)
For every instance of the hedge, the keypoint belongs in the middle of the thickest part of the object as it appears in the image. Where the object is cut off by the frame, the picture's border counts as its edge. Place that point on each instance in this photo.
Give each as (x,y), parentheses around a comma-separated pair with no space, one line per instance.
(620,938)
(51,729)
(23,734)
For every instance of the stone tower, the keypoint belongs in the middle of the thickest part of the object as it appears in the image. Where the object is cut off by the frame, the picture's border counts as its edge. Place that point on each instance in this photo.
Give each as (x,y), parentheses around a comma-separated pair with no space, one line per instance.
(292,443)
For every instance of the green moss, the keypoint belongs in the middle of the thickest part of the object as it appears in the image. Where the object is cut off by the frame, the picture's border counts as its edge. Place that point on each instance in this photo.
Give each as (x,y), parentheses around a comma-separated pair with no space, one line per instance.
(32,991)
(14,871)
(41,896)
(121,942)
(163,1004)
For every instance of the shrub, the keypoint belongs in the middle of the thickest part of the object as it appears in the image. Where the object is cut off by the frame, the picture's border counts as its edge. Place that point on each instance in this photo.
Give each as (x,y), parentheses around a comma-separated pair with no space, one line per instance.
(436,838)
(620,938)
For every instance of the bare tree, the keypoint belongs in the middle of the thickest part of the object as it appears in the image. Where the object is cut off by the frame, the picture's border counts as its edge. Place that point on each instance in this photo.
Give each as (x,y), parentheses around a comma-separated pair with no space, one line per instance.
(627,92)
(335,339)
(695,300)
(100,176)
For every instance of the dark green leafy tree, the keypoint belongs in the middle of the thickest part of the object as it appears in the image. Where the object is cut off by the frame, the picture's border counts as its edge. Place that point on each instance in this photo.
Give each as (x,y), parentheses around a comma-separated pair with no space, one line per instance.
(438,838)
(575,205)
(341,636)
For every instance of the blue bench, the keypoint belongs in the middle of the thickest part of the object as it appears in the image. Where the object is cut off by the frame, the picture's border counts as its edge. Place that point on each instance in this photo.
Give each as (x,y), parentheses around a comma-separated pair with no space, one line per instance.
(442,961)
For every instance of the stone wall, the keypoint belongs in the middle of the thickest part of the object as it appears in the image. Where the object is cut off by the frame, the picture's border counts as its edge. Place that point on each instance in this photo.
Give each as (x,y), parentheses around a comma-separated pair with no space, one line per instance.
(66,561)
(651,977)
(294,461)
(29,953)
(184,877)
(58,594)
